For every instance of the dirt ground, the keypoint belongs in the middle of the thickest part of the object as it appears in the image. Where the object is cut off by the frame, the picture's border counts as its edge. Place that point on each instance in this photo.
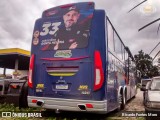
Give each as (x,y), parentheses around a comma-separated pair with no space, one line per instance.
(136,104)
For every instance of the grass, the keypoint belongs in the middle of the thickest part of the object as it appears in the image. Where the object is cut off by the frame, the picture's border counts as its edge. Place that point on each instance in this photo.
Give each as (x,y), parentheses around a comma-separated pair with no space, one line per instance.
(11,108)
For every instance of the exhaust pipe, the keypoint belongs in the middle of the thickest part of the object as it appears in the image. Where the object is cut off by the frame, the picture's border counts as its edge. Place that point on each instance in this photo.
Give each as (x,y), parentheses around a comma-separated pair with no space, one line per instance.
(82,107)
(40,103)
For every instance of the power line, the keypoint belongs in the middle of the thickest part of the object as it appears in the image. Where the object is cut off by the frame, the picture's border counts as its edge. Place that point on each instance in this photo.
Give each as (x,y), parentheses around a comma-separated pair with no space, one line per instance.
(154,48)
(158,29)
(149,24)
(137,6)
(156,55)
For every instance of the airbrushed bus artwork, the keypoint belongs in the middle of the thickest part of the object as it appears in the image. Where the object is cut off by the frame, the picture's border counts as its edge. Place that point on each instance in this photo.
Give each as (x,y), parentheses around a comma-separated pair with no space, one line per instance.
(78,62)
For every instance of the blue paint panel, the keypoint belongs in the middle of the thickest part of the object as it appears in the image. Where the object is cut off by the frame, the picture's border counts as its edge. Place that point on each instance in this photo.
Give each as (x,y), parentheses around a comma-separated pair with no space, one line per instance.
(98,37)
(79,85)
(85,75)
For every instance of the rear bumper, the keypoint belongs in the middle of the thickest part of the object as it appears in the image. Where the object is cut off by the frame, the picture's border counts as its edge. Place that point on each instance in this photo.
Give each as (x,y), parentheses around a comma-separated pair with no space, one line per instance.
(68,104)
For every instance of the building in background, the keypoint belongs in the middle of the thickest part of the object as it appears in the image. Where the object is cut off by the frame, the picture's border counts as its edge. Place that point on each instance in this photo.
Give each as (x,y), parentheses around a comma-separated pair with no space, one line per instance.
(14,61)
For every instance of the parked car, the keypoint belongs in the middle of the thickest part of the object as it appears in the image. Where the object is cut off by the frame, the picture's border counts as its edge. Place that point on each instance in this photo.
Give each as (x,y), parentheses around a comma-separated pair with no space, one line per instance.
(14,91)
(152,96)
(143,86)
(24,77)
(144,83)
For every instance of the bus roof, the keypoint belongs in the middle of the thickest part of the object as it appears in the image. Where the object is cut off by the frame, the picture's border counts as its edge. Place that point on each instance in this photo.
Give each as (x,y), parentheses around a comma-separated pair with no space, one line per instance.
(60,10)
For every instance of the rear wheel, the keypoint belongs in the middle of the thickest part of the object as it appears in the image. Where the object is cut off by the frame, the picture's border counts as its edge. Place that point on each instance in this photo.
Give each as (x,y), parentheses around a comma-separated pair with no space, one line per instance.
(119,103)
(123,101)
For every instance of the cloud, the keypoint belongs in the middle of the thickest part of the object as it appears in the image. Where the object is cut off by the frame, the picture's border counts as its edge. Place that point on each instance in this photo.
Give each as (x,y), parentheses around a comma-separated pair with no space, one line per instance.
(18,17)
(127,24)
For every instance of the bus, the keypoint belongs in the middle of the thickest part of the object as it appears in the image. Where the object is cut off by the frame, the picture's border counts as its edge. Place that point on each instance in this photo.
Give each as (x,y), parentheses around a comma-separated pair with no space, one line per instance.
(79,62)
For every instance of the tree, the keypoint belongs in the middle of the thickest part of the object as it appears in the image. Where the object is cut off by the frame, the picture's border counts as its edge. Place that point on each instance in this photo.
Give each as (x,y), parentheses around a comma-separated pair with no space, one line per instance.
(145,66)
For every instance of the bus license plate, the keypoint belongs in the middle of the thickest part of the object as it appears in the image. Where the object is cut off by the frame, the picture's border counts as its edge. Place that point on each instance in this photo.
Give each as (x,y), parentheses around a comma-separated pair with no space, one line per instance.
(61,87)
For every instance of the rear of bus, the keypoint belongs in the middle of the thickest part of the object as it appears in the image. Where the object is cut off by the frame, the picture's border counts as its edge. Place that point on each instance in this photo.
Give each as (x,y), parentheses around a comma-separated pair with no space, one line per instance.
(68,79)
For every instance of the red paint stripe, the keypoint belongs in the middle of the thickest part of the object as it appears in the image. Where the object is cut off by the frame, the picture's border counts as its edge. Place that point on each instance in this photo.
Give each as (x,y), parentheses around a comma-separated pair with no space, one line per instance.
(45,47)
(90,3)
(64,59)
(66,6)
(63,67)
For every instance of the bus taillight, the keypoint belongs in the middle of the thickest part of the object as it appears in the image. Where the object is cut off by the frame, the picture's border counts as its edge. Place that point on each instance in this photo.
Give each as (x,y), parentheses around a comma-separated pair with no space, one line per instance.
(31,67)
(99,76)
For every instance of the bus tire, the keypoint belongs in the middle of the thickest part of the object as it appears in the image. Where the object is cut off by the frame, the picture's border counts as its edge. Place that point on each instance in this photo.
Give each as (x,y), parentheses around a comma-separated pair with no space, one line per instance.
(119,103)
(123,101)
(23,97)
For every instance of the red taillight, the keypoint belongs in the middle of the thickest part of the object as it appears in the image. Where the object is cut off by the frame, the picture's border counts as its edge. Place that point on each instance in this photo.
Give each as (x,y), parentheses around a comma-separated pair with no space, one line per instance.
(34,101)
(14,86)
(89,105)
(99,76)
(31,67)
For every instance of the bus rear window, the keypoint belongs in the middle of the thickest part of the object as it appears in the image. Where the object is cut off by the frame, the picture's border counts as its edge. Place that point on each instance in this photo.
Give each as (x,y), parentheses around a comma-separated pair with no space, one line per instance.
(69,31)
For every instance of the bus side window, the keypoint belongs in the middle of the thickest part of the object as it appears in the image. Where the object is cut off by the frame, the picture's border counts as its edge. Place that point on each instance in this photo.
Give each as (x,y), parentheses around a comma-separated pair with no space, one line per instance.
(110,36)
(118,46)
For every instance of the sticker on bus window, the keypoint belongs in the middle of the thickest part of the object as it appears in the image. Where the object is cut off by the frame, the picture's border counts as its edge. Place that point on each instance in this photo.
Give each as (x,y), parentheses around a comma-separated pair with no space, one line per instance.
(66,34)
(36,34)
(63,53)
(40,86)
(51,12)
(39,90)
(35,41)
(84,90)
(83,87)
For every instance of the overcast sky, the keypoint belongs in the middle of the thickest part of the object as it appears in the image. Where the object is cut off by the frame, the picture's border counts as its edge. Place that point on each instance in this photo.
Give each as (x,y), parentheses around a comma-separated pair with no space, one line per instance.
(18,17)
